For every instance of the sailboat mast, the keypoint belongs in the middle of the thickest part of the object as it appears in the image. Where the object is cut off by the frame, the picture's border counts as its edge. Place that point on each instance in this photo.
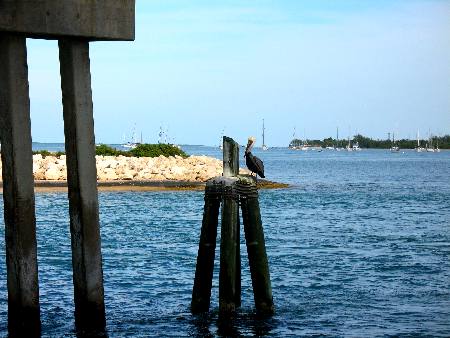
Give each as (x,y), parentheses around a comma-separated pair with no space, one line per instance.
(337,137)
(263,141)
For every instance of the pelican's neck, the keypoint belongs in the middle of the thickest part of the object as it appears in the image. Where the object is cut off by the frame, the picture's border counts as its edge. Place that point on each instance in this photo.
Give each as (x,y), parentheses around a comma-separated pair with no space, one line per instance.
(249,147)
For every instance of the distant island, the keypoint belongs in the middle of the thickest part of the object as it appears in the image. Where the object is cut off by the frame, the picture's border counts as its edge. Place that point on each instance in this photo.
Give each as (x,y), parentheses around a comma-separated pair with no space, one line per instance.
(366,142)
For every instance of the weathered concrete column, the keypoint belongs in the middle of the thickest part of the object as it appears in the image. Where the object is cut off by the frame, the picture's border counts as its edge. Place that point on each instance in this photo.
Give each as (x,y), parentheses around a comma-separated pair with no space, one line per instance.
(82,184)
(18,189)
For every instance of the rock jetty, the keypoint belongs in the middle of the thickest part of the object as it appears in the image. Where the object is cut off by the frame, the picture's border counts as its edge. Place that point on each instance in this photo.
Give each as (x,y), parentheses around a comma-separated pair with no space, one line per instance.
(122,168)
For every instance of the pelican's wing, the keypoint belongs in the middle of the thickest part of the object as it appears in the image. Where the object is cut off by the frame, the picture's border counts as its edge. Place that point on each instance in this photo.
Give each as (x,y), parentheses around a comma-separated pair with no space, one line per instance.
(260,166)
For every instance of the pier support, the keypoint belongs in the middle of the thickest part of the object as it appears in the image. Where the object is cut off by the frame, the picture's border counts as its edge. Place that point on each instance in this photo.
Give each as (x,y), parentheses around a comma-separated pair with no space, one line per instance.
(74,23)
(232,189)
(18,189)
(82,184)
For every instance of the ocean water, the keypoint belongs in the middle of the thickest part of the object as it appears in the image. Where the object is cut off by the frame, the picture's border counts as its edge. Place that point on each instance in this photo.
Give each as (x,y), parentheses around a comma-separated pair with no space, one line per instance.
(358,246)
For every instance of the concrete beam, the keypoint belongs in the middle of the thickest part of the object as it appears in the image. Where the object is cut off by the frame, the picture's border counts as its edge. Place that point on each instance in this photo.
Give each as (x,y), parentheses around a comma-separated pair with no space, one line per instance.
(18,189)
(52,19)
(82,184)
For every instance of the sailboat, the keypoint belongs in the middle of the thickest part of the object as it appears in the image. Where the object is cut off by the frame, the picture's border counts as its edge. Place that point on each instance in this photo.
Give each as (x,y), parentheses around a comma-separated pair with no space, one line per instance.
(394,148)
(429,146)
(356,146)
(349,146)
(263,147)
(133,143)
(437,147)
(295,145)
(419,149)
(337,140)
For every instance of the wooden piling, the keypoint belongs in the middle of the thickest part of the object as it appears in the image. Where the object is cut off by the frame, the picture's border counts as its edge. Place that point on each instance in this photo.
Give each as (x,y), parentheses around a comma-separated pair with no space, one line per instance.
(82,184)
(18,189)
(238,282)
(232,189)
(256,249)
(228,250)
(201,293)
(230,157)
(230,209)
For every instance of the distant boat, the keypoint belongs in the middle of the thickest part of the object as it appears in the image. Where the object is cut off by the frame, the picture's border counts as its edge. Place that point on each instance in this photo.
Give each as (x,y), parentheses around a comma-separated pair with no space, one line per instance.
(263,147)
(349,146)
(430,147)
(294,145)
(419,149)
(394,148)
(133,143)
(337,148)
(437,148)
(356,147)
(305,147)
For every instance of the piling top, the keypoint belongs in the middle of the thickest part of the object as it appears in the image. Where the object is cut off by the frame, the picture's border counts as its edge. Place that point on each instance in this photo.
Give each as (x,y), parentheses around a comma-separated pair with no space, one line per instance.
(225,181)
(53,19)
(230,157)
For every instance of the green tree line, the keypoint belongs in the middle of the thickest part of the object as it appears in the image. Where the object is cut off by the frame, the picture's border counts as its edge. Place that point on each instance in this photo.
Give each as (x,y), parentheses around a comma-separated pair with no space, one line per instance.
(443,142)
(142,150)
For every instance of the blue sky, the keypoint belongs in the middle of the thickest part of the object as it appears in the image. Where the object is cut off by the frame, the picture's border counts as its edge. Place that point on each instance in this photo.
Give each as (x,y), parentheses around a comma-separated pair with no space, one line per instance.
(198,67)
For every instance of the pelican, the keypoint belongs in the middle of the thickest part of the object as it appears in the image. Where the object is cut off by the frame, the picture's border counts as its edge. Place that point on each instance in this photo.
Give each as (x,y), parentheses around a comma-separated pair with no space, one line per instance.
(254,164)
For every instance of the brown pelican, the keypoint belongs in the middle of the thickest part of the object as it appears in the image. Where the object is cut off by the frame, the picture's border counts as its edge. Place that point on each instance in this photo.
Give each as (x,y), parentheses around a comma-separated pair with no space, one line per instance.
(254,164)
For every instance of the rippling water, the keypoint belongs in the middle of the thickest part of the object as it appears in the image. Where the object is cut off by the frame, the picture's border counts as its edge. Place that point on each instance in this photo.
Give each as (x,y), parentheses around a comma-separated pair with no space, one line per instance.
(358,246)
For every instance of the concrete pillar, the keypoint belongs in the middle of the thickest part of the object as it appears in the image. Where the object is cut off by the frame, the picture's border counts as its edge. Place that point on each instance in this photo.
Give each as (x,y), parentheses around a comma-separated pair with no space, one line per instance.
(82,184)
(18,189)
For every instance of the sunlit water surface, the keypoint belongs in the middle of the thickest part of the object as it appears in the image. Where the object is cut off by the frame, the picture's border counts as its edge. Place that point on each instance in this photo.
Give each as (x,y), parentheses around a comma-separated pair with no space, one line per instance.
(358,246)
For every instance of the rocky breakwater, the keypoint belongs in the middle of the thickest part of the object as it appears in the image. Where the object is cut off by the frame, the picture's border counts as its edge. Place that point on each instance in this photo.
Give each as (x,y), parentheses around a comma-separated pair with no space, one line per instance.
(122,168)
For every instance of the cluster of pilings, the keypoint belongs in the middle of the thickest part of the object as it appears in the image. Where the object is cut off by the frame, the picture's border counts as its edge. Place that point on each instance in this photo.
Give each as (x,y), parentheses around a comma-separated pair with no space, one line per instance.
(74,23)
(231,190)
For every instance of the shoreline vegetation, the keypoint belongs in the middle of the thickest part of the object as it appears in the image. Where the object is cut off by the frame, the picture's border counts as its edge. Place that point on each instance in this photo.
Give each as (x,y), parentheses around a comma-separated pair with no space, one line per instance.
(146,167)
(442,142)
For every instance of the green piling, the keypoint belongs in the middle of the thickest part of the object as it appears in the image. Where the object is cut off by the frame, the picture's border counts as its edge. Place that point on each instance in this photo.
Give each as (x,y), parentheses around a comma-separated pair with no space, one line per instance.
(201,293)
(228,251)
(231,189)
(256,249)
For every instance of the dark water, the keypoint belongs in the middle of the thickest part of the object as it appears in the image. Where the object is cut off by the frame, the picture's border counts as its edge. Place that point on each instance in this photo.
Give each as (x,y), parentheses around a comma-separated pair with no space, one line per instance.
(359,246)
